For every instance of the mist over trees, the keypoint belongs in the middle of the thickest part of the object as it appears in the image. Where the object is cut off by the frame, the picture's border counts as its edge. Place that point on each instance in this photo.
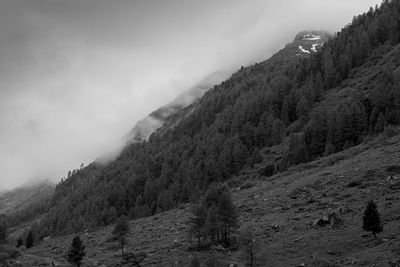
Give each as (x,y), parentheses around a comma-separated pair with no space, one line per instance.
(278,102)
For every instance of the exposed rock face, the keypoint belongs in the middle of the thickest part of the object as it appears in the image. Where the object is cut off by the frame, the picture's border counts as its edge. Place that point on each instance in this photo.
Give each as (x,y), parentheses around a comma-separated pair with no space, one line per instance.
(144,128)
(307,42)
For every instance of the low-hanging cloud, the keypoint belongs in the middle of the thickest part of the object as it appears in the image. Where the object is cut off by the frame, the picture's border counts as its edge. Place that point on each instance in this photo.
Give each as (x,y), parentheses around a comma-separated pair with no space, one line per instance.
(76,75)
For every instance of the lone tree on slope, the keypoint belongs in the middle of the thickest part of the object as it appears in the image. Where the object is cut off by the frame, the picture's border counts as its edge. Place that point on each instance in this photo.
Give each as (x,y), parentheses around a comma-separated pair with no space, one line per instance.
(20,242)
(29,240)
(121,230)
(371,219)
(251,246)
(3,231)
(76,252)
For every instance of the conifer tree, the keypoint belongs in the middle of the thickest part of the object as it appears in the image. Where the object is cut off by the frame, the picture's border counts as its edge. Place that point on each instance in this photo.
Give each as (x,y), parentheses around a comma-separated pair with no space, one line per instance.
(3,231)
(302,107)
(120,231)
(195,262)
(112,215)
(251,246)
(197,222)
(212,224)
(227,215)
(371,219)
(277,131)
(285,112)
(380,123)
(29,240)
(20,242)
(76,252)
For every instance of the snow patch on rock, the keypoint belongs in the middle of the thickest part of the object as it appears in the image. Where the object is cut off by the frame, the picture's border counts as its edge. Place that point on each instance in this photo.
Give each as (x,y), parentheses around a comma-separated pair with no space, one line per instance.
(311,37)
(303,50)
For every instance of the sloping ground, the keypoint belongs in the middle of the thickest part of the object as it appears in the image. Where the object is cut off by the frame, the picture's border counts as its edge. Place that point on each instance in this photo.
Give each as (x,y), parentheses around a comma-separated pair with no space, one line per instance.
(281,209)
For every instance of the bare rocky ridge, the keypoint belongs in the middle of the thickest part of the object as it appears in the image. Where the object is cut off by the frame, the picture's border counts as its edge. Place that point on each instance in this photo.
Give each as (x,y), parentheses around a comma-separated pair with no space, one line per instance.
(283,210)
(145,127)
(308,42)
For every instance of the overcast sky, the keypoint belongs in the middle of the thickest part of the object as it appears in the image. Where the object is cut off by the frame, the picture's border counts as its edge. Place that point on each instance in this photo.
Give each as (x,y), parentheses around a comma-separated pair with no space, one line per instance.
(75,75)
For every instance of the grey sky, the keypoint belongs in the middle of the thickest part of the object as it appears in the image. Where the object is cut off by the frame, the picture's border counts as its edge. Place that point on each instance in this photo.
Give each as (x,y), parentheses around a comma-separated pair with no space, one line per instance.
(75,75)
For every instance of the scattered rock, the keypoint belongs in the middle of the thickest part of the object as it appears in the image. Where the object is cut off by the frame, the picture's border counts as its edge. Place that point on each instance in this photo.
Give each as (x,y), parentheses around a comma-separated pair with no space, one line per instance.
(332,219)
(275,227)
(220,248)
(354,184)
(176,244)
(278,208)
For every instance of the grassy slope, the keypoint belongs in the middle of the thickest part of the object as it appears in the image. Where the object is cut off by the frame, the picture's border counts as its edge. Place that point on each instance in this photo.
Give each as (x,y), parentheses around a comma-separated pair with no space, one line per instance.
(291,200)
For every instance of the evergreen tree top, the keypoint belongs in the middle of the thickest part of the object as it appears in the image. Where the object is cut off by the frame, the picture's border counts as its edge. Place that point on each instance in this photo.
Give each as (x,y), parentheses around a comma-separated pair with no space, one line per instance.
(121,227)
(76,251)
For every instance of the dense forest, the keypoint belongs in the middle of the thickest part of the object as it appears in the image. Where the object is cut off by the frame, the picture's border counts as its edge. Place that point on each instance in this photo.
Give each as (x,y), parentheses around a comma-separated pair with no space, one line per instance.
(310,107)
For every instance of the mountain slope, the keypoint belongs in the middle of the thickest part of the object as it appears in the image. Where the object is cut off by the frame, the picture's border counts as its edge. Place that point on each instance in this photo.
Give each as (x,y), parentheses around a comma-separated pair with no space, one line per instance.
(144,201)
(297,107)
(305,43)
(281,210)
(26,203)
(25,196)
(145,127)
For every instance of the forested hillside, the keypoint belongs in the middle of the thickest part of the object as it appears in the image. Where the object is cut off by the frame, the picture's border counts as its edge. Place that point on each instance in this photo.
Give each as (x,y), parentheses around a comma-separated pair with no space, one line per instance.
(145,127)
(308,106)
(24,203)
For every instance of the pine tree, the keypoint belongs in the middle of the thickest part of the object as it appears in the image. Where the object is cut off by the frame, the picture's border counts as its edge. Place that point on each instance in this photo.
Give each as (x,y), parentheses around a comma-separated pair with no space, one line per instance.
(371,219)
(256,157)
(76,252)
(212,224)
(285,112)
(380,123)
(112,215)
(227,215)
(120,231)
(197,222)
(20,242)
(329,69)
(165,200)
(251,246)
(29,240)
(131,213)
(329,149)
(277,131)
(195,262)
(300,152)
(3,231)
(302,107)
